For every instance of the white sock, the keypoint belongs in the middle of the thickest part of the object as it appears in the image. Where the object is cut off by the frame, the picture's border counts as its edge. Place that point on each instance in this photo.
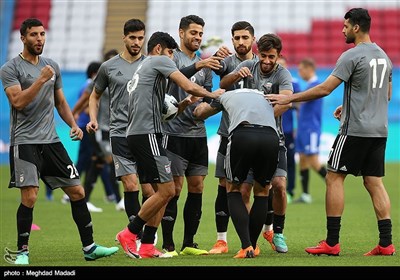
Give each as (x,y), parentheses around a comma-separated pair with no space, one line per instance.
(267,227)
(222,236)
(87,248)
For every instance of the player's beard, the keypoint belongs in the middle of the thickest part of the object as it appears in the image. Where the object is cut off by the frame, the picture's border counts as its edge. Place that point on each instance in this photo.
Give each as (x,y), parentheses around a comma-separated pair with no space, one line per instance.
(192,45)
(35,50)
(350,38)
(242,50)
(134,52)
(267,68)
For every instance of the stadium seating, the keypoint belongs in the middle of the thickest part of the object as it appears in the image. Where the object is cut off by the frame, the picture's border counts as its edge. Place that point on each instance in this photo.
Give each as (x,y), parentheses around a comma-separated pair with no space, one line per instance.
(81,30)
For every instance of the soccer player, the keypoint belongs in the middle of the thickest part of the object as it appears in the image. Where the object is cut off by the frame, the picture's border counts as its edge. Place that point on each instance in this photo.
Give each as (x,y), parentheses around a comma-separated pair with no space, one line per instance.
(289,131)
(268,76)
(359,148)
(102,163)
(114,74)
(144,135)
(309,131)
(242,40)
(186,141)
(34,87)
(253,143)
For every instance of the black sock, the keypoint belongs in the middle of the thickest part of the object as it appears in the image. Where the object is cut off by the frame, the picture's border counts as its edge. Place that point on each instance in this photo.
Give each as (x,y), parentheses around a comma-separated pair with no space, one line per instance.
(136,225)
(148,234)
(24,224)
(221,210)
(240,217)
(191,217)
(270,212)
(333,227)
(90,180)
(322,172)
(385,232)
(168,223)
(83,221)
(258,214)
(279,223)
(132,206)
(304,178)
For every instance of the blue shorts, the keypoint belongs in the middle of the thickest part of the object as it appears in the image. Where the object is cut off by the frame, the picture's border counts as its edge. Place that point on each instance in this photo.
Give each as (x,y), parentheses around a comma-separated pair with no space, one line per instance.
(308,142)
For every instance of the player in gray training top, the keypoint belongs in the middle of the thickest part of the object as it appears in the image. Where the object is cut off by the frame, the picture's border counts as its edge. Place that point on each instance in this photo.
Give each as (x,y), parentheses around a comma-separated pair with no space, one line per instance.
(144,135)
(186,144)
(268,76)
(253,143)
(114,74)
(359,148)
(33,86)
(242,40)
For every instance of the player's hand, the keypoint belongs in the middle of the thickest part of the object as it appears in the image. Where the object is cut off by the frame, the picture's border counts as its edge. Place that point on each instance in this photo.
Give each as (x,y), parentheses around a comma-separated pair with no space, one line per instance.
(76,133)
(189,100)
(200,108)
(338,112)
(281,99)
(47,73)
(212,62)
(244,72)
(216,93)
(223,52)
(92,126)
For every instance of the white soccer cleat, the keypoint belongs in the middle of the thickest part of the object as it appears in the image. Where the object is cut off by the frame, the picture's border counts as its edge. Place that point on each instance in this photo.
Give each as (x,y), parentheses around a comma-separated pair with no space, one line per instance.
(93,208)
(120,205)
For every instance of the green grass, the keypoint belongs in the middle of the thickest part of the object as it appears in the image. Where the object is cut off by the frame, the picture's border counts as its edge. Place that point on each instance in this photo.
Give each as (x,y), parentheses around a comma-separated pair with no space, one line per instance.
(58,244)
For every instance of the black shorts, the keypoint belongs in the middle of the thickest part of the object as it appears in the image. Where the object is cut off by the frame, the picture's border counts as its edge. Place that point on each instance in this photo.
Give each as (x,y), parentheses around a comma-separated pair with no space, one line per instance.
(50,162)
(360,156)
(220,163)
(252,147)
(189,155)
(153,165)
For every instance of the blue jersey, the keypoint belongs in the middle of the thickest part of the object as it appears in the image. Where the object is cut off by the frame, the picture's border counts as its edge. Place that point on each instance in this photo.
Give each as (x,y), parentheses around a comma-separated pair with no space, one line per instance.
(310,112)
(287,117)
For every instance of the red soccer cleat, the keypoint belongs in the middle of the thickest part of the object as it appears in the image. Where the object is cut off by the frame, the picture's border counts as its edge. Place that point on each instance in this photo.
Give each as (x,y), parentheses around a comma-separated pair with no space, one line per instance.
(269,235)
(324,249)
(127,240)
(382,251)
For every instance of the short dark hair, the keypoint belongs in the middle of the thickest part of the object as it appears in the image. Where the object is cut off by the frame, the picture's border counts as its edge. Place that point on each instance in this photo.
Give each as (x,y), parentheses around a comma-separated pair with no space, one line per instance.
(359,16)
(111,53)
(28,24)
(269,41)
(187,20)
(162,38)
(92,68)
(308,62)
(133,25)
(242,25)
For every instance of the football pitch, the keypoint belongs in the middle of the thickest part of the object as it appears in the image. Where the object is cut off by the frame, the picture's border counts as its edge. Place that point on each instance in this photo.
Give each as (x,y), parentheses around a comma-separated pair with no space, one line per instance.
(57,244)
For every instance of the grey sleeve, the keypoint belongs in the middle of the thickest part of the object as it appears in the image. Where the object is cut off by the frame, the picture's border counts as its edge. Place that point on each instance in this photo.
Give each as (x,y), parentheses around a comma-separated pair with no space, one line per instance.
(285,82)
(164,65)
(8,76)
(101,80)
(344,67)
